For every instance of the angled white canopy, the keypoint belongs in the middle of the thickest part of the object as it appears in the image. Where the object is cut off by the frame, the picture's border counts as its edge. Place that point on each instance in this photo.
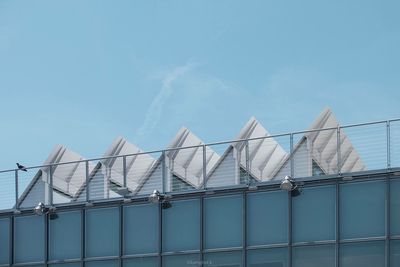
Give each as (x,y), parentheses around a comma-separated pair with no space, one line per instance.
(318,149)
(67,178)
(137,166)
(186,165)
(265,156)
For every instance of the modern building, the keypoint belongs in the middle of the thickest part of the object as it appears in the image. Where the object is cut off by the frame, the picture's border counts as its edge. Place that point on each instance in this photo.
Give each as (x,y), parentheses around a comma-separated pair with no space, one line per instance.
(328,196)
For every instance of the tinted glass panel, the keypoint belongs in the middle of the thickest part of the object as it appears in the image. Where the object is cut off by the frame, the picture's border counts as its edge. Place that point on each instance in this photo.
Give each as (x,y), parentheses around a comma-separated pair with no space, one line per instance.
(102,232)
(362,209)
(142,262)
(226,259)
(29,239)
(314,214)
(181,226)
(314,256)
(65,235)
(223,221)
(362,255)
(395,207)
(274,257)
(395,253)
(4,240)
(267,218)
(141,229)
(108,263)
(181,260)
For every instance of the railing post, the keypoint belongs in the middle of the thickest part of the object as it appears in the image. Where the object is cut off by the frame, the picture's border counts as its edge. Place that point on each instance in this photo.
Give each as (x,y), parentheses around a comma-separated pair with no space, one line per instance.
(16,190)
(247,161)
(388,148)
(338,153)
(124,170)
(87,181)
(291,156)
(163,172)
(51,185)
(204,166)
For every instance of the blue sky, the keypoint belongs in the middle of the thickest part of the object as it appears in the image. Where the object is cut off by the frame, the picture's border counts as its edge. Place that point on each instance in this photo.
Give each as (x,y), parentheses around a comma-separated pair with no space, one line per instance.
(81,73)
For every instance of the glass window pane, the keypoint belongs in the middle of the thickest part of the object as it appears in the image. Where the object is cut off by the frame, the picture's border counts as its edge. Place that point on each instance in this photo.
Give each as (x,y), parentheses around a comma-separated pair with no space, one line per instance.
(142,262)
(368,254)
(107,263)
(314,214)
(65,235)
(102,232)
(141,229)
(395,253)
(29,239)
(226,259)
(274,257)
(314,256)
(4,241)
(181,226)
(267,218)
(362,209)
(223,221)
(395,207)
(181,260)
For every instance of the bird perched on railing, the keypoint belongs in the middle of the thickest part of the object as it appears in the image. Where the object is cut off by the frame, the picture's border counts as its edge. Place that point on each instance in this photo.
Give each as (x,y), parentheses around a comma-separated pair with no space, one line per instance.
(21,167)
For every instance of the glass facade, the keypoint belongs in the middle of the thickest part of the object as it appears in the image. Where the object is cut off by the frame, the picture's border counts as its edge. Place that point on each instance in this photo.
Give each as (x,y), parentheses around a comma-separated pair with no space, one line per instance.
(362,210)
(223,221)
(4,241)
(181,226)
(314,220)
(314,256)
(65,236)
(267,218)
(141,229)
(236,227)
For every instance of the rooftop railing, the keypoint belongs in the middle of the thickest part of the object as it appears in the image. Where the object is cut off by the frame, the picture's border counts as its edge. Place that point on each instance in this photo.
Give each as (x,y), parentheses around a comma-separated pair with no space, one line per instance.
(341,150)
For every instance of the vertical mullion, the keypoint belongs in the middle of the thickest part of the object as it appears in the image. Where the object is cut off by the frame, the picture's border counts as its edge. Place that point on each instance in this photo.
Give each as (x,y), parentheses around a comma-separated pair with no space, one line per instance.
(121,234)
(387,224)
(244,242)
(201,230)
(337,229)
(11,242)
(46,239)
(160,237)
(83,237)
(290,229)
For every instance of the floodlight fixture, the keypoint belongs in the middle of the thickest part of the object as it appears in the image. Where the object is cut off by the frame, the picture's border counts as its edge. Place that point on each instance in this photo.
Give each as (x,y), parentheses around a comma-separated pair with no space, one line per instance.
(288,184)
(40,209)
(156,197)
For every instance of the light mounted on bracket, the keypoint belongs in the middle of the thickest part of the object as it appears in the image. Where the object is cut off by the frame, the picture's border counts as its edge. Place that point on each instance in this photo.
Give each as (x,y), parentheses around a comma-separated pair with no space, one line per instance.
(157,197)
(288,184)
(41,210)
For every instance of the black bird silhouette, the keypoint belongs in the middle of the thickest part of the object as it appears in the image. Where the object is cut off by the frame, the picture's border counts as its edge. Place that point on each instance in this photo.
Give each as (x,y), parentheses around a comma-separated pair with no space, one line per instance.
(21,167)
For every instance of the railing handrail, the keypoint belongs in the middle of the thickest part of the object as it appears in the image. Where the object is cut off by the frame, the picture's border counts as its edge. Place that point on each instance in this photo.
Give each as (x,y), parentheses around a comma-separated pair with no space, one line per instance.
(205,144)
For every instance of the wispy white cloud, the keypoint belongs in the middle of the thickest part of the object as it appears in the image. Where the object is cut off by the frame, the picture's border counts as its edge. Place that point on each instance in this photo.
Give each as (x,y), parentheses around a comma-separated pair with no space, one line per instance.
(155,111)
